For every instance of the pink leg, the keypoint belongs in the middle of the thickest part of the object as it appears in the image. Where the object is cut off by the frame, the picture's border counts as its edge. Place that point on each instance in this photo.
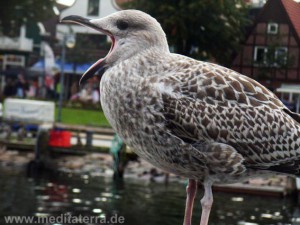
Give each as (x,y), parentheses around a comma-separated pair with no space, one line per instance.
(206,203)
(191,191)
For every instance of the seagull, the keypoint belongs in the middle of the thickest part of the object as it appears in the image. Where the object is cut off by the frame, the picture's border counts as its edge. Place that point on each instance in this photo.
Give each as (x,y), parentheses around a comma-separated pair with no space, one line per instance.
(195,119)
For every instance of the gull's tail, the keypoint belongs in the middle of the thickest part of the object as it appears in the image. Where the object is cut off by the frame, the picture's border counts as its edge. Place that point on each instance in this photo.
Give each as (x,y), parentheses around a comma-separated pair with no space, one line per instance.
(292,165)
(294,115)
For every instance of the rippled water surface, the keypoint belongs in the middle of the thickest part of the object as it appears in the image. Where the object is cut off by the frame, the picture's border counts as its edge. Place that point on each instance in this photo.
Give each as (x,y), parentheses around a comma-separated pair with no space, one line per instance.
(140,203)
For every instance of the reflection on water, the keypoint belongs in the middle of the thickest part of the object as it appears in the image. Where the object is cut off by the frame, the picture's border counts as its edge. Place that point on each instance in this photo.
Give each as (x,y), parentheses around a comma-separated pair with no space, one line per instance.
(138,202)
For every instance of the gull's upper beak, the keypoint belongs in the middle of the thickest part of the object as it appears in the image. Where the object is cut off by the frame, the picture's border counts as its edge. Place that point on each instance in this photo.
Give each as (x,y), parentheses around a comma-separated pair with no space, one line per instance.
(100,64)
(82,21)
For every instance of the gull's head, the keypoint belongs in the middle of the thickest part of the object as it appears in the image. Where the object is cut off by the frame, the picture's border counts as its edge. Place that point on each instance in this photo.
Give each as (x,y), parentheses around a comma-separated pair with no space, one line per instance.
(131,32)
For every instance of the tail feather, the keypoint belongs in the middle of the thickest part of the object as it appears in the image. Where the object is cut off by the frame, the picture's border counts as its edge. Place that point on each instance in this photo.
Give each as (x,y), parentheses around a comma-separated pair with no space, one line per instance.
(292,168)
(295,116)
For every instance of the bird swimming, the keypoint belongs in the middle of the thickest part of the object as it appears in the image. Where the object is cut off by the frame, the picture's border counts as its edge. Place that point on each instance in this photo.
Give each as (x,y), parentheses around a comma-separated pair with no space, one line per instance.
(195,119)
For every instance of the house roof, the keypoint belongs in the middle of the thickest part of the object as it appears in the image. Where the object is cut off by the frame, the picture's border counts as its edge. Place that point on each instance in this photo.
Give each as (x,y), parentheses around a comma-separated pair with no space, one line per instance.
(281,11)
(293,11)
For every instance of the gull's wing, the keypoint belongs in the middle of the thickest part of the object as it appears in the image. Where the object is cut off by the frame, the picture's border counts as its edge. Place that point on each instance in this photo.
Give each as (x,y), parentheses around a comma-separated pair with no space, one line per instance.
(203,102)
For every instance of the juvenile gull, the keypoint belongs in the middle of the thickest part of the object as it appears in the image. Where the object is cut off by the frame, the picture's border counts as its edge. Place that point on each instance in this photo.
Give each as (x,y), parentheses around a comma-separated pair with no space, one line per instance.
(187,117)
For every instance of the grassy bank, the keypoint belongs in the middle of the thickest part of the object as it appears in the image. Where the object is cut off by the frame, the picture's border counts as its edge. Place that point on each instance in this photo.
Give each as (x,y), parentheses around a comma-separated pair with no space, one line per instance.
(83,117)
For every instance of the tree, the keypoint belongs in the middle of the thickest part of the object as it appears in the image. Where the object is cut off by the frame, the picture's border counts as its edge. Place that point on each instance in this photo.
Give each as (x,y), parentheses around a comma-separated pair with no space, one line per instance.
(204,29)
(15,13)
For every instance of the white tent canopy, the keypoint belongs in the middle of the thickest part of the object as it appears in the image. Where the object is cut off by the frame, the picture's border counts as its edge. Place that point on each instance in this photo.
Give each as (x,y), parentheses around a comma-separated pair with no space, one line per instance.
(293,91)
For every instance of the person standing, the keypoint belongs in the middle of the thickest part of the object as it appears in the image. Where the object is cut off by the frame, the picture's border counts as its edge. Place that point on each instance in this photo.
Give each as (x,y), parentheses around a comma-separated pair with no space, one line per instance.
(21,86)
(9,88)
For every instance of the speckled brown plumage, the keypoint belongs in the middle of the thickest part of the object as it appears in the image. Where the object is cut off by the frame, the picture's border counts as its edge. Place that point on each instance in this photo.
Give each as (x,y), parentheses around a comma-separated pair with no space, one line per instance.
(173,116)
(192,118)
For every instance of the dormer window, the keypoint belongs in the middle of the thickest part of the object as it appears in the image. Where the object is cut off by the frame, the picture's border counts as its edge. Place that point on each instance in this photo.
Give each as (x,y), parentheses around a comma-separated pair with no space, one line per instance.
(93,8)
(272,28)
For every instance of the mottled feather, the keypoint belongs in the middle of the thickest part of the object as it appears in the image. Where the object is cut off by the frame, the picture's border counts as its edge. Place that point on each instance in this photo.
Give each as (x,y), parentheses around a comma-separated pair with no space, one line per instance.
(235,110)
(187,117)
(171,108)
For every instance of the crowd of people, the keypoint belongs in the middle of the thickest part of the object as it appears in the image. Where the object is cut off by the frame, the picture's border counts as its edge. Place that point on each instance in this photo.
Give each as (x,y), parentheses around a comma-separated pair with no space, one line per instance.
(21,87)
(88,94)
(49,88)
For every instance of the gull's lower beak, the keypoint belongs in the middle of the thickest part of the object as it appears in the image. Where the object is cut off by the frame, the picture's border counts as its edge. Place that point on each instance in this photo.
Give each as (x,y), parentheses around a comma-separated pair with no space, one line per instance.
(100,64)
(97,66)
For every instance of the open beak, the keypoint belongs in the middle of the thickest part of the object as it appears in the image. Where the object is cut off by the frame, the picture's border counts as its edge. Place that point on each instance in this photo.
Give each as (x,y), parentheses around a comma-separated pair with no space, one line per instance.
(101,63)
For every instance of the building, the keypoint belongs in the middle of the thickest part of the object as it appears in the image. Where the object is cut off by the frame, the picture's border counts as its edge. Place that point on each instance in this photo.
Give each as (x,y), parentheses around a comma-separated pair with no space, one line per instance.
(21,54)
(13,51)
(86,8)
(271,51)
(90,44)
(24,50)
(255,3)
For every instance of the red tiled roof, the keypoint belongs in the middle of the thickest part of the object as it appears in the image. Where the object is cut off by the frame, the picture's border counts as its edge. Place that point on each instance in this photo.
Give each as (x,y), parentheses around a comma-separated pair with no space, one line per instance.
(293,10)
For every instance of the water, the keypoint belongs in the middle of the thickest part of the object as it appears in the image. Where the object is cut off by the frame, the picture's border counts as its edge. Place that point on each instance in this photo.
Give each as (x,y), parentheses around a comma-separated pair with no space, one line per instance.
(138,202)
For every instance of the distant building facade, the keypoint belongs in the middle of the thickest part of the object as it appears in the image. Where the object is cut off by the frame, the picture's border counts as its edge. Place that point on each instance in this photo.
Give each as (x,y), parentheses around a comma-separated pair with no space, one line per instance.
(271,51)
(255,3)
(92,9)
(13,51)
(96,43)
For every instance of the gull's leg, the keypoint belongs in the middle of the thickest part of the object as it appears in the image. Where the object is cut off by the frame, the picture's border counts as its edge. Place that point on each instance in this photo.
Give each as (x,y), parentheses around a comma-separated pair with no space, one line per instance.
(206,203)
(191,191)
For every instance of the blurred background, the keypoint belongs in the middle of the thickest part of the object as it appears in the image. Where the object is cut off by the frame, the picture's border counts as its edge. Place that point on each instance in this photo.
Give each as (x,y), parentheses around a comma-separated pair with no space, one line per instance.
(58,153)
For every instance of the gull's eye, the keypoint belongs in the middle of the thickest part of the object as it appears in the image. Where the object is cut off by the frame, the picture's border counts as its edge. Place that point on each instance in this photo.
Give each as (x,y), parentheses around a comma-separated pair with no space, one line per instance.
(122,25)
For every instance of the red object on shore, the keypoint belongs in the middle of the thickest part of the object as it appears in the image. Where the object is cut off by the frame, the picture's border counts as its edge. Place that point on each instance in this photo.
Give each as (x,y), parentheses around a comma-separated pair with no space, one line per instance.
(59,138)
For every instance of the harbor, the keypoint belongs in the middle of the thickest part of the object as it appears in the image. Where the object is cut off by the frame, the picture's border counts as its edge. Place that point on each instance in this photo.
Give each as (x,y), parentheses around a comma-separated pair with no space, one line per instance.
(91,195)
(68,169)
(83,156)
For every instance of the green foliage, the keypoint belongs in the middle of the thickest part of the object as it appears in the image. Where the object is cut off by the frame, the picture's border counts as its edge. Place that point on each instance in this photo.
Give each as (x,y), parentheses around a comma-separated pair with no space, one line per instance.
(83,117)
(14,13)
(204,29)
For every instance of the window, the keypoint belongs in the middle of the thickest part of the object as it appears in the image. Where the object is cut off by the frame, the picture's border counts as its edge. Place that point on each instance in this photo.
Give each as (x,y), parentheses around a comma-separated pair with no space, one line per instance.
(260,54)
(93,8)
(281,55)
(272,28)
(272,56)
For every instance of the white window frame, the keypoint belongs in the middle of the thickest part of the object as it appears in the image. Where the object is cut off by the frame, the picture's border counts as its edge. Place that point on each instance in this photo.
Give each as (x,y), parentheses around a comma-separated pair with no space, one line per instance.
(255,54)
(272,28)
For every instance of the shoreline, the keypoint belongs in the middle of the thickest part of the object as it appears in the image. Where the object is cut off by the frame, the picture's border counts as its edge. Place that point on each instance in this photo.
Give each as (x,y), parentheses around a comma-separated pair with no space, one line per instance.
(101,164)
